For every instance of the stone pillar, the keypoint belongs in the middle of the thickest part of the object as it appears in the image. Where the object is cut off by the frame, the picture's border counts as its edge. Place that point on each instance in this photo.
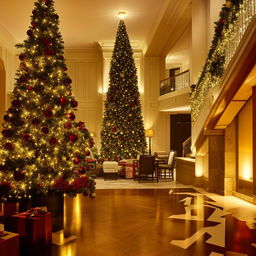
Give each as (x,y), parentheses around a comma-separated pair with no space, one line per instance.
(216,164)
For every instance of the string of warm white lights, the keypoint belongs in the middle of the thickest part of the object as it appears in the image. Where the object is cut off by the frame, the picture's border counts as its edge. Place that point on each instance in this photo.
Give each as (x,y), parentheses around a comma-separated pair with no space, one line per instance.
(234,19)
(42,147)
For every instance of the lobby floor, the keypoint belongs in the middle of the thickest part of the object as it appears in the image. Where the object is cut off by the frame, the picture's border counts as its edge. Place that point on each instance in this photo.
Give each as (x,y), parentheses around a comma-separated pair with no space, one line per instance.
(158,222)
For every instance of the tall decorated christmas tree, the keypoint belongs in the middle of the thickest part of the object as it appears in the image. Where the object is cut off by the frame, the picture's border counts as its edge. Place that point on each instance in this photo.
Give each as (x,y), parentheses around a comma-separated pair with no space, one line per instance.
(42,147)
(122,134)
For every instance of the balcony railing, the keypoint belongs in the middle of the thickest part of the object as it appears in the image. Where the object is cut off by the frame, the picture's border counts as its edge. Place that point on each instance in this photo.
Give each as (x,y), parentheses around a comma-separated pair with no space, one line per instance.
(175,83)
(229,32)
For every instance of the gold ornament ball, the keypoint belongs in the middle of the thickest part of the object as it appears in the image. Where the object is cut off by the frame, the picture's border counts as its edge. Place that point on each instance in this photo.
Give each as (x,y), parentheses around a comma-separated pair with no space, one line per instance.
(228,4)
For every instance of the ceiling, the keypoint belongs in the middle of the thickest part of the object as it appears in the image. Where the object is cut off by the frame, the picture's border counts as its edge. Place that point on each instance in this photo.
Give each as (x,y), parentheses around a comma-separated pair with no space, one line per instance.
(85,22)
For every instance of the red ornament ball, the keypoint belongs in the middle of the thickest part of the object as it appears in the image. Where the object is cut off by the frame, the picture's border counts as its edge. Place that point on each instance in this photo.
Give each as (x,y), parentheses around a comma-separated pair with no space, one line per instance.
(222,21)
(45,130)
(68,125)
(72,137)
(22,57)
(18,175)
(52,141)
(71,116)
(9,146)
(76,161)
(34,12)
(30,88)
(33,24)
(26,136)
(87,153)
(30,32)
(67,81)
(85,193)
(74,103)
(62,101)
(23,65)
(6,118)
(23,79)
(80,124)
(35,121)
(46,42)
(82,170)
(50,52)
(7,133)
(16,103)
(48,113)
(3,168)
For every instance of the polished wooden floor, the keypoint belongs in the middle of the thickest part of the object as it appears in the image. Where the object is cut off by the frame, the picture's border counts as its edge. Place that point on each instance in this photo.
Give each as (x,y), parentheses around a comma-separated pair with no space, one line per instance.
(137,222)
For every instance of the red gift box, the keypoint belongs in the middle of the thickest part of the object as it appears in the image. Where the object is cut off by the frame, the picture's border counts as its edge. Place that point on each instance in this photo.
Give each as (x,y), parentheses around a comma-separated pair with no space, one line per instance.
(9,245)
(9,208)
(35,232)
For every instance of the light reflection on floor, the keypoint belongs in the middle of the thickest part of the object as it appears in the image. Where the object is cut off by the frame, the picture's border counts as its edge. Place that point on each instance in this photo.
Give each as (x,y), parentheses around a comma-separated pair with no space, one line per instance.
(235,223)
(152,222)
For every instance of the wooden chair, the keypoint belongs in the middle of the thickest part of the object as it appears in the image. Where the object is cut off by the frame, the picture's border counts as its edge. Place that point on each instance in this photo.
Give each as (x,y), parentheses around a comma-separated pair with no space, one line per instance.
(165,171)
(147,168)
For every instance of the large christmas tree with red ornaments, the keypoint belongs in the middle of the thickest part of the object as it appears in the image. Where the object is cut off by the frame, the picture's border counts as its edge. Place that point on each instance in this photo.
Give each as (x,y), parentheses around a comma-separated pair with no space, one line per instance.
(42,147)
(123,134)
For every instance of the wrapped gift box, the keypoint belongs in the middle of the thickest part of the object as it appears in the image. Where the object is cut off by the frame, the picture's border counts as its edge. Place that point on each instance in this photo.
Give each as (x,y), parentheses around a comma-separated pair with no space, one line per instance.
(129,171)
(9,208)
(35,232)
(9,244)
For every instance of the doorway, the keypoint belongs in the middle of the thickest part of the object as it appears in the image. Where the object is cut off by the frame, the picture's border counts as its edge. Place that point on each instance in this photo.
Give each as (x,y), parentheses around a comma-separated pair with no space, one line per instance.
(180,131)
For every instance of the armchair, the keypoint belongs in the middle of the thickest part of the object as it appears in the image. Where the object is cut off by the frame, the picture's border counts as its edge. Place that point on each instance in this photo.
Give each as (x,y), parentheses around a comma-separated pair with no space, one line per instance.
(146,168)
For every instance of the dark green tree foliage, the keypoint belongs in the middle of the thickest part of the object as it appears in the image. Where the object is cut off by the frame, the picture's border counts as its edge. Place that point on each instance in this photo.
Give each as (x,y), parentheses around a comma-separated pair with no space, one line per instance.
(122,134)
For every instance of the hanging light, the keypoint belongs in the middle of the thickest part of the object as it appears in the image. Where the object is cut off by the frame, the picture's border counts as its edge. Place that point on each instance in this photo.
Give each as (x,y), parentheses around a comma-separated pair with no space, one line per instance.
(121,15)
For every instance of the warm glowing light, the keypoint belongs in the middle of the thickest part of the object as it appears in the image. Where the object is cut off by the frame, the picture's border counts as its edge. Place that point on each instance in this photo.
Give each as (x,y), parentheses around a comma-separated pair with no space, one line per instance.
(246,171)
(149,133)
(121,15)
(199,166)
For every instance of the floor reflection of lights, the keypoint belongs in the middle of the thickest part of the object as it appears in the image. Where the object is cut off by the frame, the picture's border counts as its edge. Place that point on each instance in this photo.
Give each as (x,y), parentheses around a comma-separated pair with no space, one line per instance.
(225,211)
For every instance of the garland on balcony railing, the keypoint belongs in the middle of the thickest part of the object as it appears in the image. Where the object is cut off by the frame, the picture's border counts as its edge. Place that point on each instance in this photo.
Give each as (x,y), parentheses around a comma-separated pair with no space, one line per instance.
(214,66)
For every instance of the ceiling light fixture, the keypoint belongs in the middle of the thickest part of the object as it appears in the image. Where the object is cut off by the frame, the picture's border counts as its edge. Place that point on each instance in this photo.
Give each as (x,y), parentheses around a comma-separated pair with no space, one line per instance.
(121,15)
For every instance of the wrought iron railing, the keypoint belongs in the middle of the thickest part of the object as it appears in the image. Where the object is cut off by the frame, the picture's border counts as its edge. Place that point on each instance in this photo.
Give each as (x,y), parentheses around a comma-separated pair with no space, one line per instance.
(245,15)
(175,83)
(229,32)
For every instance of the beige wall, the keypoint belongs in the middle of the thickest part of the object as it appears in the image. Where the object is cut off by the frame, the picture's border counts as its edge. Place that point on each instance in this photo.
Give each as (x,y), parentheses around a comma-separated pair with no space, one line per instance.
(199,37)
(245,142)
(213,10)
(179,56)
(9,64)
(160,122)
(85,70)
(204,14)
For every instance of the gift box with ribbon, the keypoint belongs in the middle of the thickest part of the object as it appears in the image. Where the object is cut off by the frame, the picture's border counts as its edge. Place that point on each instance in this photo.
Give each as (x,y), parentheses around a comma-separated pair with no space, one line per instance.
(9,244)
(35,229)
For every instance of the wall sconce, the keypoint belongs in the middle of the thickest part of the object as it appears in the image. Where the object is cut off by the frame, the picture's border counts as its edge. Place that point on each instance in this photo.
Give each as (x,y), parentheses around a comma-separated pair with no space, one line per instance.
(149,134)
